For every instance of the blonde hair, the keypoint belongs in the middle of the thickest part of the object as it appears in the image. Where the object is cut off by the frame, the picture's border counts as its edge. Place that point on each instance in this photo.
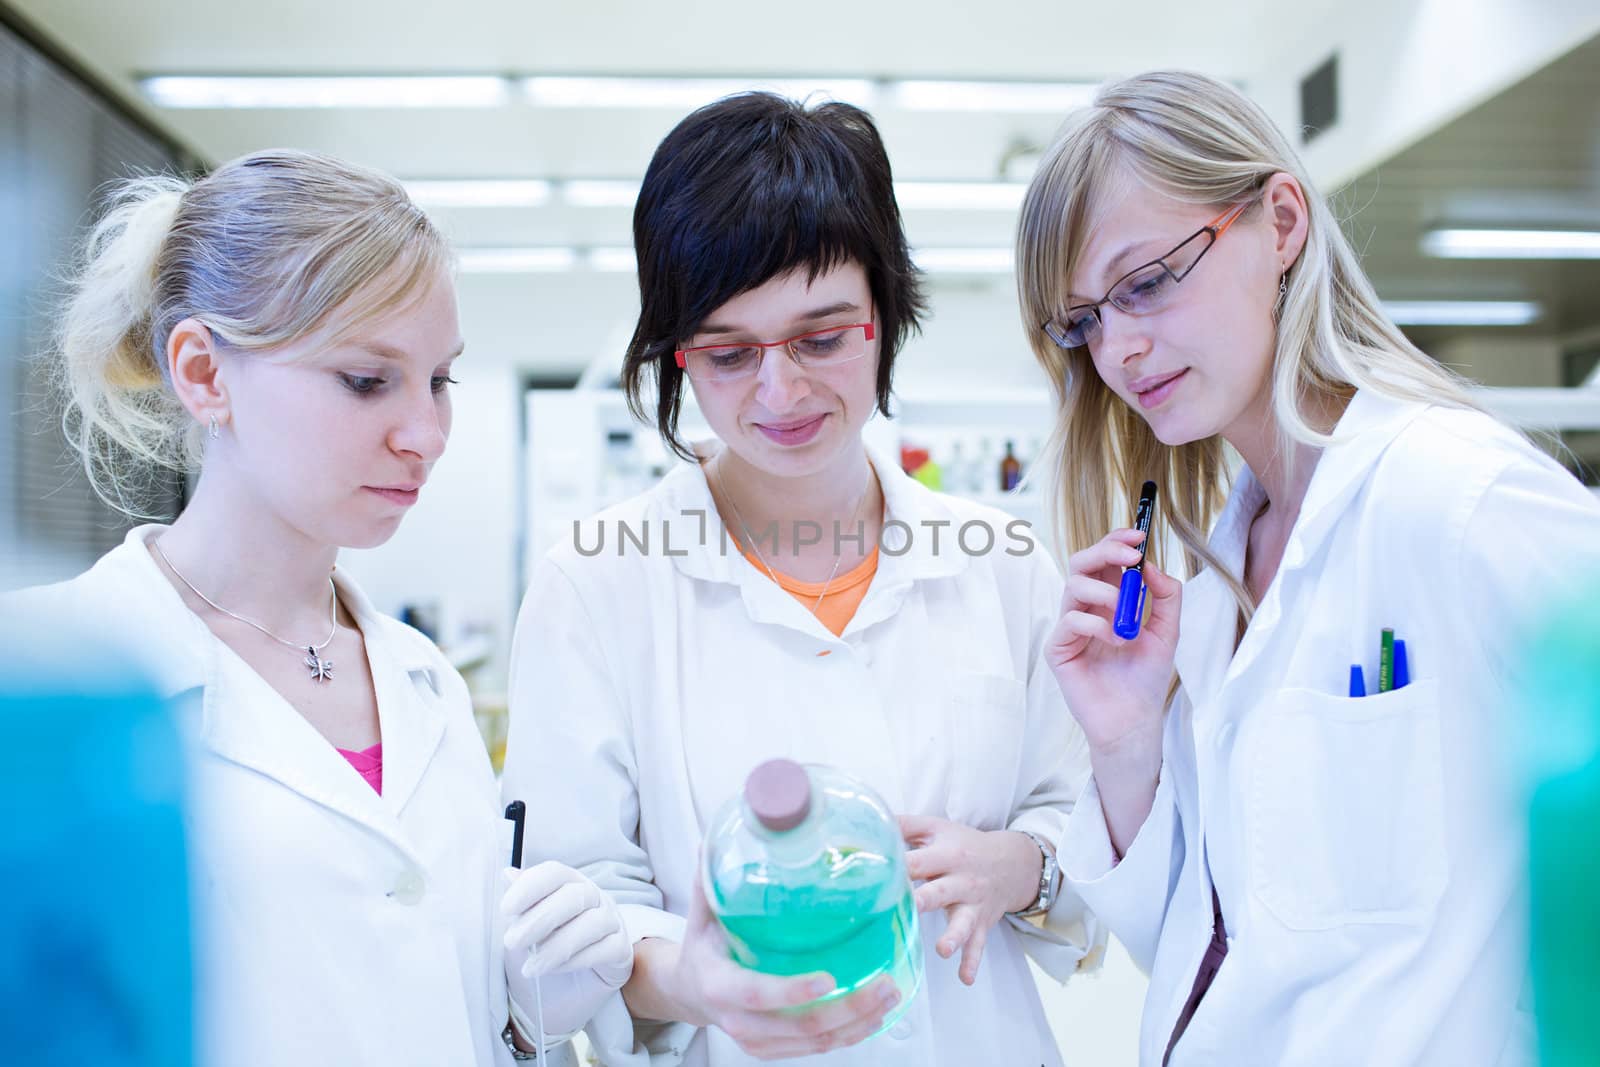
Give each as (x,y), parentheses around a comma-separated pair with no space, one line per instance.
(1200,141)
(263,251)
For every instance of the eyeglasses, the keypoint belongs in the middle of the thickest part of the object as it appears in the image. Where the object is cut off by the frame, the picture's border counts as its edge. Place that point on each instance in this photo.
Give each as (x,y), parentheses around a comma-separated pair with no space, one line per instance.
(820,348)
(1142,290)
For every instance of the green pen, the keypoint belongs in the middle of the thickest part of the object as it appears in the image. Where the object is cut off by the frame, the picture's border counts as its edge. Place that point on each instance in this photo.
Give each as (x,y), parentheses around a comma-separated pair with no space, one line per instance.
(1386,661)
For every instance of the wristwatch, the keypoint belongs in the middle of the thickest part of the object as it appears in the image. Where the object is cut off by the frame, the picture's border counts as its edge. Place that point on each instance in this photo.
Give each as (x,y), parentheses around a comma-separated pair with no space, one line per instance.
(1049,870)
(516,1053)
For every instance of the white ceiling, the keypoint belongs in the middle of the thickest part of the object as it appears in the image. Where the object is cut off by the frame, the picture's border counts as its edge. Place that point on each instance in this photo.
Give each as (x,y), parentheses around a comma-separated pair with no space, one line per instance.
(1018,39)
(554,322)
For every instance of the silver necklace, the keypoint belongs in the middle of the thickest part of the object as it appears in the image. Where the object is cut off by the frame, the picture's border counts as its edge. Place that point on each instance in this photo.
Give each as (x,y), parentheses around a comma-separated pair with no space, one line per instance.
(837,559)
(321,669)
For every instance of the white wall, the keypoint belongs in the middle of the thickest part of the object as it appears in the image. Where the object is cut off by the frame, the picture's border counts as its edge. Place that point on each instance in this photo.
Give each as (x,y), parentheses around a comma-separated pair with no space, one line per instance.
(973,339)
(458,546)
(1406,67)
(1507,361)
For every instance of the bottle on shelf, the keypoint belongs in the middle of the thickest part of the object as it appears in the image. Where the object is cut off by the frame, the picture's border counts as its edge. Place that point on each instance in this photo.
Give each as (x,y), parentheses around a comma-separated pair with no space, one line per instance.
(957,478)
(1010,470)
(982,465)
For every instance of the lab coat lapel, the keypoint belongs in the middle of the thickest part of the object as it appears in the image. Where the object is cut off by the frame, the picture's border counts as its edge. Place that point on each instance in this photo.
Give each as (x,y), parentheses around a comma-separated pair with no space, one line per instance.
(245,721)
(1370,424)
(1209,615)
(912,513)
(704,549)
(1368,427)
(409,691)
(908,549)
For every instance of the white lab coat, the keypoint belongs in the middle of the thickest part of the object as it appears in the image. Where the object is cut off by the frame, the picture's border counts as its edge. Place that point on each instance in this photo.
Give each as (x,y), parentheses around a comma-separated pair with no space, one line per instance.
(644,688)
(334,925)
(1368,853)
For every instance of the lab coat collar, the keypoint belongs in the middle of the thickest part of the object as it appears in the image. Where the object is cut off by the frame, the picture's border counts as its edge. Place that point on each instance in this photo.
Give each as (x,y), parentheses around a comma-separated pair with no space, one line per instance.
(1369,425)
(1365,431)
(908,553)
(262,731)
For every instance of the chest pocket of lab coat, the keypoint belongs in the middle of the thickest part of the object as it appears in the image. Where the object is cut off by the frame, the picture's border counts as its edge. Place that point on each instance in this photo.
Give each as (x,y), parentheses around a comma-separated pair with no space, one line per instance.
(1346,807)
(984,715)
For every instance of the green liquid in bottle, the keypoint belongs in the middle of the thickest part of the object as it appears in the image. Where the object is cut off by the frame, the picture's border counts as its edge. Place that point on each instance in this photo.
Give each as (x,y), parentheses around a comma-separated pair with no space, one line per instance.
(834,918)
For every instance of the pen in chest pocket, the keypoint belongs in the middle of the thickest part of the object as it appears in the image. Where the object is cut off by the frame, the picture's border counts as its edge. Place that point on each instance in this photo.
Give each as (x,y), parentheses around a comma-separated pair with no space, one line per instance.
(1394,666)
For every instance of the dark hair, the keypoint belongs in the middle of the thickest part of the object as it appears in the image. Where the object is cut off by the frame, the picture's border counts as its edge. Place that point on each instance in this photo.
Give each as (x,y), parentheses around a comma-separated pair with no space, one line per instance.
(745,190)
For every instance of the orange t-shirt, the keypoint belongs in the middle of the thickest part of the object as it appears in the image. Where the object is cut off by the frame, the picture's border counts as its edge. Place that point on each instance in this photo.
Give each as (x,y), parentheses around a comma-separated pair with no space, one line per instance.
(844,596)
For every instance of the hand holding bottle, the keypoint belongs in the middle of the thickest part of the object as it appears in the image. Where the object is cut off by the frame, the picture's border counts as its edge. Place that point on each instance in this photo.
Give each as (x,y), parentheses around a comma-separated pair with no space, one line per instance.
(976,876)
(759,1010)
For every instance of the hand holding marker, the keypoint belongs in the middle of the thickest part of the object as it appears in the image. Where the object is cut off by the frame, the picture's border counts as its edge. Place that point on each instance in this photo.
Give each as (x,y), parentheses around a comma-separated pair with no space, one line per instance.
(517,812)
(1130,596)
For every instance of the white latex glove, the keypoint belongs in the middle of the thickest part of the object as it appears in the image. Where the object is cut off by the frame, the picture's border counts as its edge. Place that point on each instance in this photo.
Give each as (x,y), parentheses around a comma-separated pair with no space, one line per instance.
(561,921)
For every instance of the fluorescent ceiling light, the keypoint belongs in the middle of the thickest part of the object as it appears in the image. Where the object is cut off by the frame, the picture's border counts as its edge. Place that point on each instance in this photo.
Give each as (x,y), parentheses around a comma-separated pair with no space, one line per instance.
(517,260)
(963,260)
(175,91)
(618,260)
(1512,244)
(472,193)
(1462,312)
(1056,97)
(961,196)
(680,93)
(600,192)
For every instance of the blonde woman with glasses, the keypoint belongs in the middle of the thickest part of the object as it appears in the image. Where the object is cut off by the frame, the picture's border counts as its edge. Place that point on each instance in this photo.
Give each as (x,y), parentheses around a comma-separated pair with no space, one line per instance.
(286,327)
(1311,875)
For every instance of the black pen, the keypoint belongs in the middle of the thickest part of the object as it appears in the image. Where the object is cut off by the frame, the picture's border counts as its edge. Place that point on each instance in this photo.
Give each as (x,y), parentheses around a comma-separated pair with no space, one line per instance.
(516,811)
(1130,597)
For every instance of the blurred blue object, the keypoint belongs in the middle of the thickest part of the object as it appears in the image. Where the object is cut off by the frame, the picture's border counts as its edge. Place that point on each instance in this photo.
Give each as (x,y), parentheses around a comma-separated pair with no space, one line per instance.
(95,958)
(1563,717)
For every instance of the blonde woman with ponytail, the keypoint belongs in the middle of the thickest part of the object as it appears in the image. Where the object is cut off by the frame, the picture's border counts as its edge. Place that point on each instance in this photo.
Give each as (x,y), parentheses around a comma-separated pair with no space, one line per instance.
(286,327)
(1310,876)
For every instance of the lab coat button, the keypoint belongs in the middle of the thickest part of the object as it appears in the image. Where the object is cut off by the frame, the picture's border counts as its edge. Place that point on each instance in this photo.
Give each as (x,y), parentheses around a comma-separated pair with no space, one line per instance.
(1224,734)
(408,888)
(900,1030)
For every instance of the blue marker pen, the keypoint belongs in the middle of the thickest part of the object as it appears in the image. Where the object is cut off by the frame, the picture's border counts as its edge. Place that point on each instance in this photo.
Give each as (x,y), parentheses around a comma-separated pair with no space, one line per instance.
(1358,681)
(1402,669)
(1130,597)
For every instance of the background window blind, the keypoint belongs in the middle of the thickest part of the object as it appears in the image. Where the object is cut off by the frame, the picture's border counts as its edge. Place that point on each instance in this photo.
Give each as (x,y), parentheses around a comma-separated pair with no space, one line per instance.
(61,144)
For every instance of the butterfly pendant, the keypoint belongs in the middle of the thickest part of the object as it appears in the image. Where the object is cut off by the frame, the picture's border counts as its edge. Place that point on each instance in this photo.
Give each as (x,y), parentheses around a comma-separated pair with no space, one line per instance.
(321,669)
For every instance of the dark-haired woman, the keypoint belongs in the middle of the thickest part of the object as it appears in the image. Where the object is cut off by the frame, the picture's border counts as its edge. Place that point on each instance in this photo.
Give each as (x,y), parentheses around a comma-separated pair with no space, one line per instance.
(800,597)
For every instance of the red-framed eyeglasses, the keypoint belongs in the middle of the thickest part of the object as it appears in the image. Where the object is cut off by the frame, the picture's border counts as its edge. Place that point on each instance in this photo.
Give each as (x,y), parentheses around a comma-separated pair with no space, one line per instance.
(827,347)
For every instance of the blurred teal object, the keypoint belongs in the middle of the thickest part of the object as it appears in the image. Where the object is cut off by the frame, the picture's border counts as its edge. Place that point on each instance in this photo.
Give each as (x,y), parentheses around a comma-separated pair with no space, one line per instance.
(1564,835)
(95,958)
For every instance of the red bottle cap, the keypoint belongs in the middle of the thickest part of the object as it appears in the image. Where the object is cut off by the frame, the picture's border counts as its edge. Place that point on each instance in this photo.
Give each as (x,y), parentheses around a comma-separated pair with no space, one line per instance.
(779,792)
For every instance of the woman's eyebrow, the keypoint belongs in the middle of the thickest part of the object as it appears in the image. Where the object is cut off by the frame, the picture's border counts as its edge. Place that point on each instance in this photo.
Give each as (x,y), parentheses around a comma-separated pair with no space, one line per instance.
(810,316)
(392,354)
(1113,269)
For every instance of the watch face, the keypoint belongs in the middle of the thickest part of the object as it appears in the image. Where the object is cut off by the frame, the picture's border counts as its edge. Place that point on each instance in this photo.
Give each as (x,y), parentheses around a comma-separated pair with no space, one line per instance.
(516,1053)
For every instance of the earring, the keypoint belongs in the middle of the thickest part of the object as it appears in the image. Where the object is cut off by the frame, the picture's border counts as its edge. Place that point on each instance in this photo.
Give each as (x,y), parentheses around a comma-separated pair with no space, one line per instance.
(1283,293)
(212,431)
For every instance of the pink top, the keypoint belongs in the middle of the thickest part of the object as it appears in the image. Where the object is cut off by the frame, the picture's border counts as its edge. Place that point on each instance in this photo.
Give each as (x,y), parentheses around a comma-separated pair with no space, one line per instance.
(368,763)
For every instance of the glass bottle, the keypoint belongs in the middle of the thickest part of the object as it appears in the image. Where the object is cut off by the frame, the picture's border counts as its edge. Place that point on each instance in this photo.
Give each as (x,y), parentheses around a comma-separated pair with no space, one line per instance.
(805,870)
(1010,470)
